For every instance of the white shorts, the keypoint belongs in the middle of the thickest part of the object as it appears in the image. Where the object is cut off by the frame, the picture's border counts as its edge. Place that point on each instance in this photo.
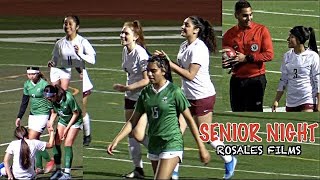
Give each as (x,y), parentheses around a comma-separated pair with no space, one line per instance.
(166,155)
(57,74)
(38,122)
(86,84)
(76,126)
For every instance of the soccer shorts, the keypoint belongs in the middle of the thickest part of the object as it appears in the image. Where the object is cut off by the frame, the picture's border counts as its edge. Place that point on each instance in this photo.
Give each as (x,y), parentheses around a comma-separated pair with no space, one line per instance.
(59,73)
(166,155)
(38,122)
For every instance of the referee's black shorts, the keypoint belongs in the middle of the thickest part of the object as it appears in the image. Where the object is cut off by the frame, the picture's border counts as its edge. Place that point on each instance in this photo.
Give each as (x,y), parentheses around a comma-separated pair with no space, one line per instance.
(246,94)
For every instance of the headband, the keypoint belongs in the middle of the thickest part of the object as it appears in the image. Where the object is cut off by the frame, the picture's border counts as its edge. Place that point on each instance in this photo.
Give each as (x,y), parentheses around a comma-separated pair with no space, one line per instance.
(48,95)
(31,71)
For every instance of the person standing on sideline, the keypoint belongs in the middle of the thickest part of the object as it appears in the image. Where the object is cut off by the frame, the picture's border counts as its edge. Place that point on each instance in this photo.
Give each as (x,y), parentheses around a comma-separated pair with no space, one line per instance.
(70,122)
(300,72)
(134,63)
(193,67)
(39,113)
(22,153)
(162,101)
(253,45)
(69,51)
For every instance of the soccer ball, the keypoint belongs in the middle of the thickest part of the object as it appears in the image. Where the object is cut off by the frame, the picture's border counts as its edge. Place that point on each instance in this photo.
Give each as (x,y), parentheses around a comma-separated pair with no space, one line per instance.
(227,57)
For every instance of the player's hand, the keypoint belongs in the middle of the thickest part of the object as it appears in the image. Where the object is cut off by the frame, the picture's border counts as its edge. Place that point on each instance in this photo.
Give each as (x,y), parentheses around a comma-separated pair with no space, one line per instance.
(18,122)
(204,155)
(240,57)
(111,147)
(51,63)
(161,53)
(120,87)
(274,106)
(76,49)
(65,133)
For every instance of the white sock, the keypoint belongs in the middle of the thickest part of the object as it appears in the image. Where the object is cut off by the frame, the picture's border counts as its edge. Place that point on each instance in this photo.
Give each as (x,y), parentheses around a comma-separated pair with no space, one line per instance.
(214,144)
(86,125)
(135,152)
(145,141)
(67,170)
(175,174)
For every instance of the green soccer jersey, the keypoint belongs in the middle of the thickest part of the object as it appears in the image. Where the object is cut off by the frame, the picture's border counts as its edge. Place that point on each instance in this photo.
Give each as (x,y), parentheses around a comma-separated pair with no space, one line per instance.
(163,109)
(39,105)
(65,109)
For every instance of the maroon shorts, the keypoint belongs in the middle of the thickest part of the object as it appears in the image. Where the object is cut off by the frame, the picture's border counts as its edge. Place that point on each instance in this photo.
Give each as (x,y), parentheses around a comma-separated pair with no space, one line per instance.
(86,93)
(201,107)
(129,104)
(300,108)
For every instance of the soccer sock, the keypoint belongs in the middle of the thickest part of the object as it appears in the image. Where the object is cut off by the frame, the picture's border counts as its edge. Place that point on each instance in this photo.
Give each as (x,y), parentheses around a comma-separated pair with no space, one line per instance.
(214,144)
(86,125)
(68,156)
(135,152)
(175,174)
(39,160)
(45,155)
(57,155)
(145,141)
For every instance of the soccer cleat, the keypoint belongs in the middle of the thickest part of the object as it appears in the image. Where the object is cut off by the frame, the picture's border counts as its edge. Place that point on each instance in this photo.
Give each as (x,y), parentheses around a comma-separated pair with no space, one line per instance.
(230,168)
(175,175)
(39,171)
(86,140)
(65,176)
(137,173)
(57,174)
(49,166)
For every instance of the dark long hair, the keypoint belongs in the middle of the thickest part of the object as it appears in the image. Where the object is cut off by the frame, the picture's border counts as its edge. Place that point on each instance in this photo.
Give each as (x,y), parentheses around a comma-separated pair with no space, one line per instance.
(303,34)
(163,63)
(20,133)
(206,32)
(54,90)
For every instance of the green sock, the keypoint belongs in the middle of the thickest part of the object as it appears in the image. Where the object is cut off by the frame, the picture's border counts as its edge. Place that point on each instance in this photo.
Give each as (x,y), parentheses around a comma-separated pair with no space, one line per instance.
(38,160)
(68,156)
(57,154)
(45,155)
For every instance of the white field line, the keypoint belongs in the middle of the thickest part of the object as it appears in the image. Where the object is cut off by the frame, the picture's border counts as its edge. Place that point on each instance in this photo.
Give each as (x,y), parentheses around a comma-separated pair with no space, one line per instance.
(264,133)
(206,167)
(277,13)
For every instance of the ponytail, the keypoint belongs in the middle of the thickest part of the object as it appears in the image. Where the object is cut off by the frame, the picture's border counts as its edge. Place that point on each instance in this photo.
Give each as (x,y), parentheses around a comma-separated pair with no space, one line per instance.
(21,133)
(138,31)
(312,41)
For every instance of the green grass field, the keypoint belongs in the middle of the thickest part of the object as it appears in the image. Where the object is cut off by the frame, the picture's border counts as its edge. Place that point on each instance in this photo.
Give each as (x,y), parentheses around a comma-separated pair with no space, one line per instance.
(106,106)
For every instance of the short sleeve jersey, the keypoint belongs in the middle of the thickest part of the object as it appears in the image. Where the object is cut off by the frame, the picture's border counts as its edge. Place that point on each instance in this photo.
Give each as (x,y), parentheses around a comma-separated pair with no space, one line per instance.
(39,105)
(134,63)
(163,109)
(64,54)
(14,149)
(66,108)
(300,75)
(196,53)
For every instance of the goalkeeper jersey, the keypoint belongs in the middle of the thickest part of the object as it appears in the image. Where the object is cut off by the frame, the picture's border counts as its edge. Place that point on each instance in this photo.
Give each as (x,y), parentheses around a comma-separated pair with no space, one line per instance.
(163,109)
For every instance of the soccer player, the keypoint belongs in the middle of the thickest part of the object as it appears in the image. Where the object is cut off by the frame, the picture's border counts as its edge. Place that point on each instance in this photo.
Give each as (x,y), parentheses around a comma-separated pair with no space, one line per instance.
(162,101)
(300,72)
(69,51)
(39,113)
(134,62)
(22,153)
(193,67)
(70,122)
(253,45)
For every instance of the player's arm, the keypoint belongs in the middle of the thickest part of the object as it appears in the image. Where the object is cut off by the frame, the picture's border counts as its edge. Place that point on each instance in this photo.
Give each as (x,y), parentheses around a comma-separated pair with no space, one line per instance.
(139,84)
(50,143)
(23,108)
(189,73)
(53,117)
(204,154)
(6,161)
(87,54)
(126,129)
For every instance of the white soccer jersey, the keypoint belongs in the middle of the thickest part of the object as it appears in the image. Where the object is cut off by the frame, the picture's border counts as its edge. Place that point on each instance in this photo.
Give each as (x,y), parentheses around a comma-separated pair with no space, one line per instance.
(64,54)
(300,75)
(14,149)
(134,63)
(196,53)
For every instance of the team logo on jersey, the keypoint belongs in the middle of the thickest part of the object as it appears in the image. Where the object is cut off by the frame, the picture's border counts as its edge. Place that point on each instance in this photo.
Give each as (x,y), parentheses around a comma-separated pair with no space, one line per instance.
(164,99)
(38,90)
(254,47)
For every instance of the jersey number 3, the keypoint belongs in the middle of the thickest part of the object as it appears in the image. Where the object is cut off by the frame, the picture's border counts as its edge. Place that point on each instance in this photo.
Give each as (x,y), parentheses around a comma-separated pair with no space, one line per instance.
(295,72)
